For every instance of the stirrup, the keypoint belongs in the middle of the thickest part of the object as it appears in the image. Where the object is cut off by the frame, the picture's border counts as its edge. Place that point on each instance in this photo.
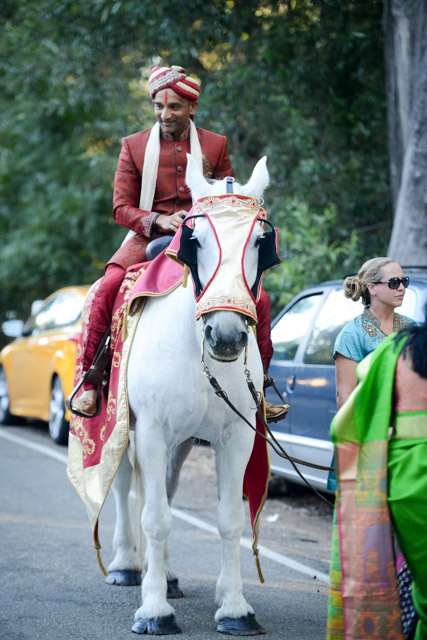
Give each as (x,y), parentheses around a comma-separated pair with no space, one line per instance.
(75,391)
(280,416)
(95,375)
(270,382)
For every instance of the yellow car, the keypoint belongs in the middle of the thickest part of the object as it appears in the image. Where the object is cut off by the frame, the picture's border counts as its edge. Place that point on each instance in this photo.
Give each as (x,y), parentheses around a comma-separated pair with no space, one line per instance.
(37,368)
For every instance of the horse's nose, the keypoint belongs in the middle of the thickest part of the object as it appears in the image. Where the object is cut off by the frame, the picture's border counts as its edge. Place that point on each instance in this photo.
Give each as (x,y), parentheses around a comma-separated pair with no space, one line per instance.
(225,344)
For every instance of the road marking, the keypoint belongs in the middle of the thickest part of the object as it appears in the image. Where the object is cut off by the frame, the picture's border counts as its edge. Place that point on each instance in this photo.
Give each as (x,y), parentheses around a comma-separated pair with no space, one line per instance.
(47,451)
(247,543)
(186,517)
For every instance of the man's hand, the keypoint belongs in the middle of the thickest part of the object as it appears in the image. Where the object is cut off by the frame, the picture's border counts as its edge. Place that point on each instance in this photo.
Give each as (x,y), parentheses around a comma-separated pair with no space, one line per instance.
(171,224)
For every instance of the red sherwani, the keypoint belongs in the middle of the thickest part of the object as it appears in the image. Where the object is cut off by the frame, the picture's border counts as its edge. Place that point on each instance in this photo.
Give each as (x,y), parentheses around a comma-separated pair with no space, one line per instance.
(171,194)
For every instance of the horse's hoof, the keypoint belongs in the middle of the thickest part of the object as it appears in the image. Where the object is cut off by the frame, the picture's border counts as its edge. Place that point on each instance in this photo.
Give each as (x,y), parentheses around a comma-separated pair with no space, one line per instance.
(124,578)
(173,589)
(244,626)
(157,626)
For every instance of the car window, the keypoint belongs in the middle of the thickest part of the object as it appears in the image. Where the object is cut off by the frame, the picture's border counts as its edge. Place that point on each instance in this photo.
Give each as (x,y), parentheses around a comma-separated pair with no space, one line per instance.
(335,313)
(35,322)
(60,311)
(409,305)
(292,326)
(67,310)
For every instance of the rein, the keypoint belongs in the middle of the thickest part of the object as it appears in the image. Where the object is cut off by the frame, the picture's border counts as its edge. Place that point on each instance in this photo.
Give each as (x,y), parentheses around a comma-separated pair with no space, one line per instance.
(272,441)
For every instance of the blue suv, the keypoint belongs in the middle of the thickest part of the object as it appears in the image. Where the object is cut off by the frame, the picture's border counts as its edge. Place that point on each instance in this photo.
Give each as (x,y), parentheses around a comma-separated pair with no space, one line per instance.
(303,337)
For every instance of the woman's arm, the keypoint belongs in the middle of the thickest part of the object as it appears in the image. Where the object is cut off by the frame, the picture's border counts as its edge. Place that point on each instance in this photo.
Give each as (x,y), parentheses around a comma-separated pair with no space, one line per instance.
(345,376)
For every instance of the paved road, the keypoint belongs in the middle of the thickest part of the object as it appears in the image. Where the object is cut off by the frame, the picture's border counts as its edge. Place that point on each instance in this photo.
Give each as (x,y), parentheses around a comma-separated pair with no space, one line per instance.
(51,587)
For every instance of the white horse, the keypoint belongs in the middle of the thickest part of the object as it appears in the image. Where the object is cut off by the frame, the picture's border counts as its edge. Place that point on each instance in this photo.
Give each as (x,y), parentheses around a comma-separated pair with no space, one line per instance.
(173,402)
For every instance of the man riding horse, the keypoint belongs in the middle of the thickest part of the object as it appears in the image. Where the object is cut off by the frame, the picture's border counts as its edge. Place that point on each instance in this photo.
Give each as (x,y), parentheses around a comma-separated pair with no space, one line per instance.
(151,198)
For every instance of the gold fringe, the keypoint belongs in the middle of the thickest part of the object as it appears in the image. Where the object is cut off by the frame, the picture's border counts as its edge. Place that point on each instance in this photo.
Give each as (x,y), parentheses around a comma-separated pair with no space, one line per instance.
(258,566)
(185,276)
(257,523)
(98,557)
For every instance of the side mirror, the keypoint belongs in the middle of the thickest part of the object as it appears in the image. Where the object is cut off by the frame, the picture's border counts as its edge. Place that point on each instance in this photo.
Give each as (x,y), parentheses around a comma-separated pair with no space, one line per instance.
(12,328)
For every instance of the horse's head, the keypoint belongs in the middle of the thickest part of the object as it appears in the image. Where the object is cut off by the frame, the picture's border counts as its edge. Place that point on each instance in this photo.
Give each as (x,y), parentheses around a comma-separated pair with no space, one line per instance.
(227,244)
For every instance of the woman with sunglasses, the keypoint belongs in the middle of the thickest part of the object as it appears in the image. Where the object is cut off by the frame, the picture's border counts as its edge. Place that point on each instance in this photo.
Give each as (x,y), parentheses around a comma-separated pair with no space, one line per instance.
(381,285)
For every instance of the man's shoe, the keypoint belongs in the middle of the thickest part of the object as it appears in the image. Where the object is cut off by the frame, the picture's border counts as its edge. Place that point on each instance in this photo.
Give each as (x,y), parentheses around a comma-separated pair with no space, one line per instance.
(85,404)
(275,412)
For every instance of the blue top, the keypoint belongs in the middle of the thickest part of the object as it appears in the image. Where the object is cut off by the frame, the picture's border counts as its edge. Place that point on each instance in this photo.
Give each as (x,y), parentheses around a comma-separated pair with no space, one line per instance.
(361,335)
(358,338)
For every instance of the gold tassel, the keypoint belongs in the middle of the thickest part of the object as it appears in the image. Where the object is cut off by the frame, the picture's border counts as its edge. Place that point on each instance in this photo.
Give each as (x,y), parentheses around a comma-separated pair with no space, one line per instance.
(185,276)
(100,563)
(258,566)
(97,546)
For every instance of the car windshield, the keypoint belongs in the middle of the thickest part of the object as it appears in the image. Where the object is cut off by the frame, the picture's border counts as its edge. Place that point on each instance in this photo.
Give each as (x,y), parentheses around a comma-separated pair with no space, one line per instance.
(60,311)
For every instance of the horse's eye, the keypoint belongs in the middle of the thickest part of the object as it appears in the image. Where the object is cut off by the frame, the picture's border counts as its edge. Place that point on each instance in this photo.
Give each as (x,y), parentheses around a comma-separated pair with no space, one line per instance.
(258,240)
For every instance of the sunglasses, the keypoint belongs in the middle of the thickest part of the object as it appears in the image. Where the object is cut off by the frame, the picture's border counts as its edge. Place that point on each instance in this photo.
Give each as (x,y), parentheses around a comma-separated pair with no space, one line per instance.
(394,283)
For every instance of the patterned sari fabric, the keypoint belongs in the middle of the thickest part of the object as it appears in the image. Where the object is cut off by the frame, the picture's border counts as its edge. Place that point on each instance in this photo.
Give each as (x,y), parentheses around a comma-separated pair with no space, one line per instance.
(364,599)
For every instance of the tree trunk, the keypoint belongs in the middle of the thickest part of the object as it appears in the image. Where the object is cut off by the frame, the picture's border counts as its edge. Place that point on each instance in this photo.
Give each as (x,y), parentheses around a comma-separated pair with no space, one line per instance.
(406,64)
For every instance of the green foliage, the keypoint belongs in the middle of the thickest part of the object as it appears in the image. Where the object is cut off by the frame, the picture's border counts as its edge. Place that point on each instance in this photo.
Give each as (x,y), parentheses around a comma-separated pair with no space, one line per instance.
(308,251)
(300,81)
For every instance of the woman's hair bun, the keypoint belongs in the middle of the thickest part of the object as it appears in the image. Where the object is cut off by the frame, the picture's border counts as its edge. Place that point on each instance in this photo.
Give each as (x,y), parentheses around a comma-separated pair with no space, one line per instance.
(352,288)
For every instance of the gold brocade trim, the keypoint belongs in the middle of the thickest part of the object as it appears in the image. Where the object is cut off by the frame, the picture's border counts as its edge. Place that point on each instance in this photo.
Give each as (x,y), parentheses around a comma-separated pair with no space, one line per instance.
(203,205)
(93,483)
(257,520)
(133,305)
(77,429)
(372,324)
(226,302)
(111,408)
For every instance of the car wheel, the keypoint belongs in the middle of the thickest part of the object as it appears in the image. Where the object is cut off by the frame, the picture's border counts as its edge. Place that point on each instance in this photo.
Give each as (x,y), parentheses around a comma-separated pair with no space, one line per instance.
(58,426)
(5,416)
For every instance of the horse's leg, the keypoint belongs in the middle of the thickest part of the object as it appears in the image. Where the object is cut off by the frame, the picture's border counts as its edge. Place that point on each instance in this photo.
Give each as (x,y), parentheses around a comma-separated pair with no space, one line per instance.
(235,616)
(125,569)
(155,616)
(176,460)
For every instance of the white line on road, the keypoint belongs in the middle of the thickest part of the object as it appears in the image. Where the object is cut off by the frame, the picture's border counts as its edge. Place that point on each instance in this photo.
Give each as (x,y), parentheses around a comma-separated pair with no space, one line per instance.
(47,451)
(183,515)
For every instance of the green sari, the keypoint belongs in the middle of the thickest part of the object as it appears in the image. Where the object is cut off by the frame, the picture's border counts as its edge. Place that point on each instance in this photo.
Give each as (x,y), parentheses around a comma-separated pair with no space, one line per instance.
(363,599)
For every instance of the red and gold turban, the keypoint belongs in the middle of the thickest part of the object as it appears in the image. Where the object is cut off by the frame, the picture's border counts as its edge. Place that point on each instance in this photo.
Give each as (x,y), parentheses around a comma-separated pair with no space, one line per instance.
(176,79)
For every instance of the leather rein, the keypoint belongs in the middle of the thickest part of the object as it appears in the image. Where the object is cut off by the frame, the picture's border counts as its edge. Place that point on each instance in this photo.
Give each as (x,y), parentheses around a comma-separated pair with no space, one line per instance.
(271,440)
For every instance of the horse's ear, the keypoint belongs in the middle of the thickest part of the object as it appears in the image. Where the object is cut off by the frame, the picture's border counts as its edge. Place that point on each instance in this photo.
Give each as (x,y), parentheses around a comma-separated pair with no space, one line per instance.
(258,181)
(194,178)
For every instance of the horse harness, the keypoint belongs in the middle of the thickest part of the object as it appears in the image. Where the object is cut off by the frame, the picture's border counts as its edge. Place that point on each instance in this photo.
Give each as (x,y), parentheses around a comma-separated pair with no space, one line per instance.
(272,441)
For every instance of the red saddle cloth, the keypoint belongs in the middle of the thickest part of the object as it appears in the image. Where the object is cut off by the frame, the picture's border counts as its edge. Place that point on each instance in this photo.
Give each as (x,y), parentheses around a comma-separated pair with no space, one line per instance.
(96,445)
(158,277)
